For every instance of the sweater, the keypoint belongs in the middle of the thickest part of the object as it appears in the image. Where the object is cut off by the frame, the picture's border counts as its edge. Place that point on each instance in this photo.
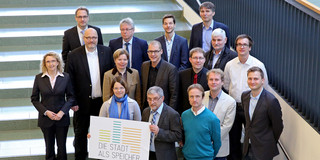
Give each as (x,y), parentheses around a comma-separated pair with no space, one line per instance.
(202,135)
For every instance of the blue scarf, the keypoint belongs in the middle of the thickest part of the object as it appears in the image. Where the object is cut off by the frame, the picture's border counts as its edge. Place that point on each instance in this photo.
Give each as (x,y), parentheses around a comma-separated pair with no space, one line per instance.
(113,109)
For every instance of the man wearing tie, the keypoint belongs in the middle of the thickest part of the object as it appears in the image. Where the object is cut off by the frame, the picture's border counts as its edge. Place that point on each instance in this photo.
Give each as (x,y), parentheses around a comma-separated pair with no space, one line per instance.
(165,126)
(137,48)
(73,37)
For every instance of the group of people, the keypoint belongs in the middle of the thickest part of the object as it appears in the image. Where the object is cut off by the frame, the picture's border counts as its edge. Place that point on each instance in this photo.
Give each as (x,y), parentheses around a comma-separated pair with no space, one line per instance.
(216,90)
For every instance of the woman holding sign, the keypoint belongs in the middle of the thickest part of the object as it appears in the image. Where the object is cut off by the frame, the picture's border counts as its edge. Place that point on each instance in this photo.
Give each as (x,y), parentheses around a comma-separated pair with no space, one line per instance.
(120,105)
(50,90)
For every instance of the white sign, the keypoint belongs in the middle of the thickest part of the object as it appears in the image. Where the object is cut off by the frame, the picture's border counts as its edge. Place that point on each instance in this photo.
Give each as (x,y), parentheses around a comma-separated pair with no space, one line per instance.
(117,139)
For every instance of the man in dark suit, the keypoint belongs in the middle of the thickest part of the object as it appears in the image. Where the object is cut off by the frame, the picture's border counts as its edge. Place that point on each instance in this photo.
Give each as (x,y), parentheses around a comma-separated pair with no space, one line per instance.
(175,47)
(219,55)
(137,48)
(165,126)
(207,11)
(86,66)
(195,74)
(73,37)
(158,72)
(263,119)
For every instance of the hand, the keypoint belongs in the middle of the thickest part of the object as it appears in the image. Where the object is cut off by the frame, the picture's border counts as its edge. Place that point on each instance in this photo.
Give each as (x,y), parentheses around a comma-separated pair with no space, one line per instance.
(75,108)
(154,129)
(180,144)
(88,135)
(59,115)
(51,115)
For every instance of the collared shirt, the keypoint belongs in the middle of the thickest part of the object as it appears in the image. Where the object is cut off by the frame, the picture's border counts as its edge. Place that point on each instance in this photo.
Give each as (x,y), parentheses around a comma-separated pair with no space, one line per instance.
(81,36)
(129,48)
(253,103)
(213,101)
(199,111)
(235,74)
(206,37)
(159,110)
(215,58)
(52,81)
(93,63)
(169,46)
(200,74)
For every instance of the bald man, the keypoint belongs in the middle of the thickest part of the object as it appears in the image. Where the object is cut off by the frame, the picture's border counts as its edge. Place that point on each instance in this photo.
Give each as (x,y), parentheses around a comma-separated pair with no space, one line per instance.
(86,66)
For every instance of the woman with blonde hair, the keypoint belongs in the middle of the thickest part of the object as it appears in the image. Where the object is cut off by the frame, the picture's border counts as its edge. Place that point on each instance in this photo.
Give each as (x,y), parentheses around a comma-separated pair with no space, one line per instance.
(53,96)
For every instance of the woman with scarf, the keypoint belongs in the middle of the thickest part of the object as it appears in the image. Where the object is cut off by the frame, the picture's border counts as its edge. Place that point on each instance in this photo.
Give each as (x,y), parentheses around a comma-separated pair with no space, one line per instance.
(120,105)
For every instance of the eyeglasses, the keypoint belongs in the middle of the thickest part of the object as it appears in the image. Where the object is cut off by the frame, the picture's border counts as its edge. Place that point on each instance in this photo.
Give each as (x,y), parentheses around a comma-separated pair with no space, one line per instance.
(242,45)
(118,89)
(82,17)
(153,52)
(153,99)
(52,61)
(126,29)
(197,58)
(91,38)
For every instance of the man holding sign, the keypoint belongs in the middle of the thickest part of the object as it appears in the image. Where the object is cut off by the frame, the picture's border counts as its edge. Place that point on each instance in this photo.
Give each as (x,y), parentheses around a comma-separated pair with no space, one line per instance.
(165,126)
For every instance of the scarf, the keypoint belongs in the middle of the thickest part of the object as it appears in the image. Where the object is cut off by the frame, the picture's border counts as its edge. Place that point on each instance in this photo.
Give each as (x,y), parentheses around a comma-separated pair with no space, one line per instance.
(113,109)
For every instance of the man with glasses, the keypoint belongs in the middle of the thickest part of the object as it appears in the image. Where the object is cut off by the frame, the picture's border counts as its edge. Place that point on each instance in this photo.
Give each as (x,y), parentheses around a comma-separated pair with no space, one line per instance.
(86,67)
(193,75)
(236,83)
(158,72)
(137,48)
(73,37)
(165,126)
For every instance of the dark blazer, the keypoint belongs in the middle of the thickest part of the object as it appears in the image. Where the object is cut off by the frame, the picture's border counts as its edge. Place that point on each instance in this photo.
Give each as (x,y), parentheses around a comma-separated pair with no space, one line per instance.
(80,75)
(169,132)
(139,50)
(179,52)
(225,57)
(167,79)
(53,99)
(185,80)
(71,40)
(196,34)
(265,127)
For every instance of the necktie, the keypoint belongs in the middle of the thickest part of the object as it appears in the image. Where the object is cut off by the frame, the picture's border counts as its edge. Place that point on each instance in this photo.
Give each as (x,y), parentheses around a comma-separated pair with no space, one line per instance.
(127,48)
(153,121)
(195,78)
(82,35)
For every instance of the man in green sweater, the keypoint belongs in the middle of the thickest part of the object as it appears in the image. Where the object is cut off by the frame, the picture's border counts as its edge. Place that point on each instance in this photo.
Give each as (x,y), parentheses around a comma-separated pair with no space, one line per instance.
(201,128)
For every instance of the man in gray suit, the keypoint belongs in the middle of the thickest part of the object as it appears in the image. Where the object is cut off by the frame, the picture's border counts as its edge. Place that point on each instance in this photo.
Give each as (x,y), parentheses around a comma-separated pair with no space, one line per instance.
(158,72)
(165,126)
(263,116)
(223,106)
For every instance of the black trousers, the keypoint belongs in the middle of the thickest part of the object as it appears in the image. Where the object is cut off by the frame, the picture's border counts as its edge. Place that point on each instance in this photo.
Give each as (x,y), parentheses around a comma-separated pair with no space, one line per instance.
(235,134)
(51,134)
(81,123)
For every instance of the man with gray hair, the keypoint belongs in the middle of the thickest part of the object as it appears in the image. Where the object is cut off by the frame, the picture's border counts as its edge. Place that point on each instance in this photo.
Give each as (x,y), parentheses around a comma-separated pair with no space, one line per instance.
(73,37)
(165,126)
(219,55)
(137,48)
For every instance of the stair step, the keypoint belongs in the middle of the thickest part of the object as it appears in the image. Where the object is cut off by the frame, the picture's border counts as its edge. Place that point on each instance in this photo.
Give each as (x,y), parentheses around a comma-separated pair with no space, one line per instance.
(21,117)
(104,12)
(16,82)
(14,102)
(28,149)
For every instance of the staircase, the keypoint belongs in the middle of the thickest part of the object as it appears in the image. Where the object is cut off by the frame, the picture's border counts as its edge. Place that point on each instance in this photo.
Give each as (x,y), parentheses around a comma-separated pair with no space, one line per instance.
(31,28)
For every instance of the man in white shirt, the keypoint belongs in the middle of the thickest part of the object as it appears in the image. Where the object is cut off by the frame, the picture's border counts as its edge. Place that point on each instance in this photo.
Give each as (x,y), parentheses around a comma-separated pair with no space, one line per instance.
(236,83)
(86,66)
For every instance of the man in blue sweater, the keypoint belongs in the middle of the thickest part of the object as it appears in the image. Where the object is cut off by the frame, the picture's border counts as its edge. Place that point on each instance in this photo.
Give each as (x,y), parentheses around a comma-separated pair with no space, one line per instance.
(201,128)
